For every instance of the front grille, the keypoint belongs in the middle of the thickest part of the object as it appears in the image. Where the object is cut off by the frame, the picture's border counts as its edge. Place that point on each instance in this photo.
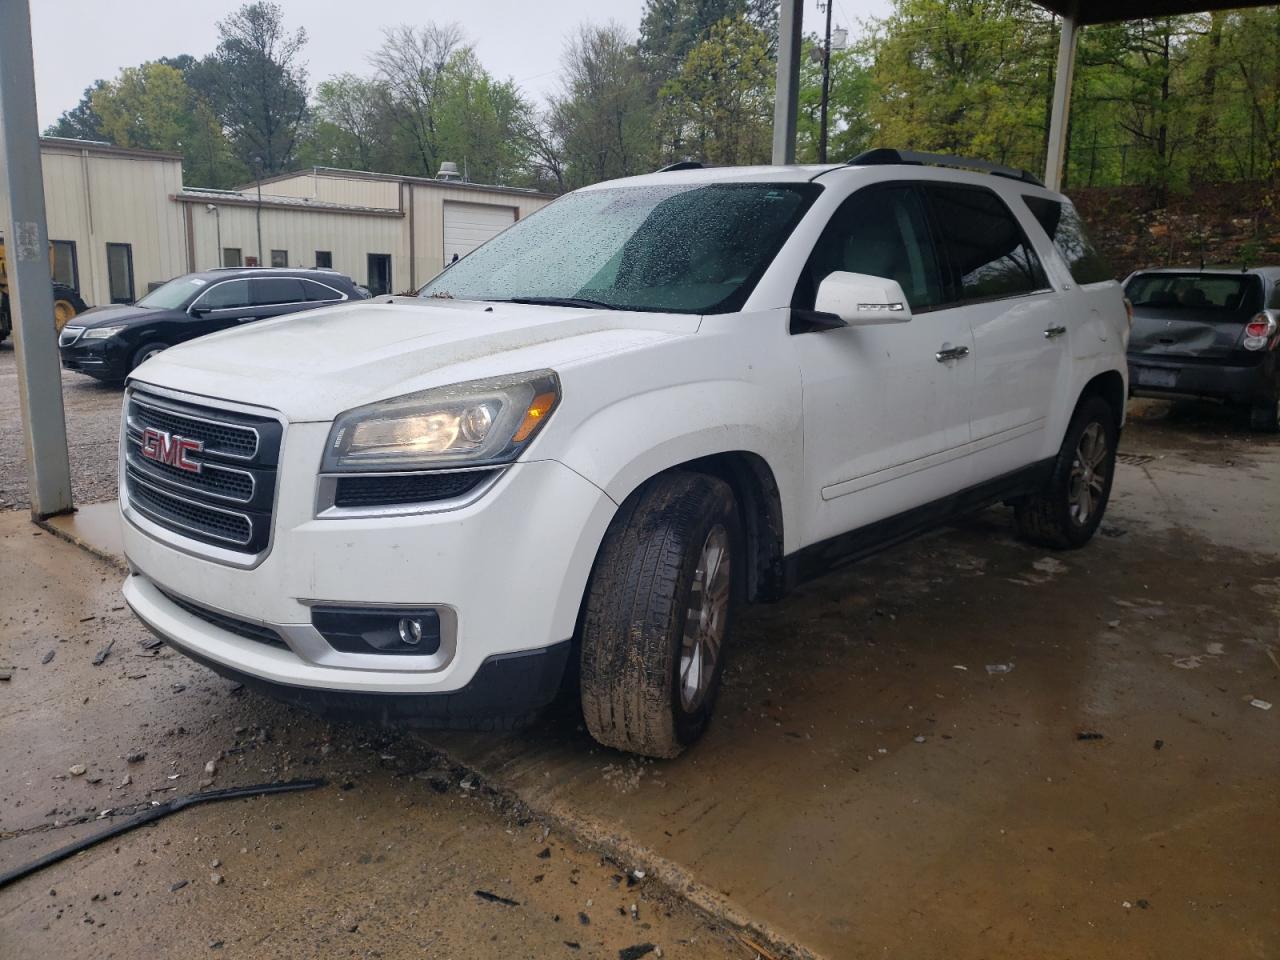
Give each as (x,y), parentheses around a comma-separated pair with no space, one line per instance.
(218,437)
(357,491)
(69,335)
(188,517)
(224,621)
(227,500)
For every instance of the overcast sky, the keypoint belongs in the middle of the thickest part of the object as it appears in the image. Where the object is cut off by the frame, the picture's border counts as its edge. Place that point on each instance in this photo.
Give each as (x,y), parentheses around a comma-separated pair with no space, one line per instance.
(79,41)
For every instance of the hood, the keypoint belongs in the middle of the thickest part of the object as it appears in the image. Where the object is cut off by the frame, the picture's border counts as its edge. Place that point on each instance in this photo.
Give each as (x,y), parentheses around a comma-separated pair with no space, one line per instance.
(115,314)
(1183,332)
(311,366)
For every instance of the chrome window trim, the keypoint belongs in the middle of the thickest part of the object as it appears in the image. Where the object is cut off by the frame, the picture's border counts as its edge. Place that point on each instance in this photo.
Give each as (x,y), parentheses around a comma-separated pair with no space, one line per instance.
(339,295)
(327,488)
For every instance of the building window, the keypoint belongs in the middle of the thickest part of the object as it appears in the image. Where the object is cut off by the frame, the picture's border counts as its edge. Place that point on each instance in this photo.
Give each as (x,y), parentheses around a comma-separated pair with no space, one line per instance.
(231,256)
(66,269)
(324,259)
(120,272)
(379,274)
(279,258)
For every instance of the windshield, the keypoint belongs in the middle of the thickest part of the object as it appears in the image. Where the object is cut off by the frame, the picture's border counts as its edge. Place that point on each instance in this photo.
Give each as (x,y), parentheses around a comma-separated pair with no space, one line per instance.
(682,249)
(1241,293)
(174,294)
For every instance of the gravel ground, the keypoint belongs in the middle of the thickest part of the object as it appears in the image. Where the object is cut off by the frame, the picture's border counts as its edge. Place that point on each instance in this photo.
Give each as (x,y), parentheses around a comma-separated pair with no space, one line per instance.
(93,423)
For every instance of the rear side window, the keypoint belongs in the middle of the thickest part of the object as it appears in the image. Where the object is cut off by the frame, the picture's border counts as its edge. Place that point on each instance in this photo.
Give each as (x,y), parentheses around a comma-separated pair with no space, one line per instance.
(1066,230)
(1227,294)
(269,291)
(989,255)
(319,293)
(882,231)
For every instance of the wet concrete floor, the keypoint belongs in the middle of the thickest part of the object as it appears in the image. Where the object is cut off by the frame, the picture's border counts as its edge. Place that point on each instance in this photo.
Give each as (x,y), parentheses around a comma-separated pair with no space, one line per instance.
(868,789)
(385,861)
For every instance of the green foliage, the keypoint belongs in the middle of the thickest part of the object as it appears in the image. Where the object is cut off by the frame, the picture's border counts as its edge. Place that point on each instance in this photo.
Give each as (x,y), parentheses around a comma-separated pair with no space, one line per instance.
(720,104)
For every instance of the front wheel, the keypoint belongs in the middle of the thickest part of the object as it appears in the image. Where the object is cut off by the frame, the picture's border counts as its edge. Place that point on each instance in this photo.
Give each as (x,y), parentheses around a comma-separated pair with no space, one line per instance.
(1065,513)
(657,614)
(145,353)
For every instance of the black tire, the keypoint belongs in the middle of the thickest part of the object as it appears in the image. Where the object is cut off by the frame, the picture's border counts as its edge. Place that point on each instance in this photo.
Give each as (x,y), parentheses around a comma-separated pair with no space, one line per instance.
(1264,415)
(1055,516)
(636,611)
(144,352)
(66,304)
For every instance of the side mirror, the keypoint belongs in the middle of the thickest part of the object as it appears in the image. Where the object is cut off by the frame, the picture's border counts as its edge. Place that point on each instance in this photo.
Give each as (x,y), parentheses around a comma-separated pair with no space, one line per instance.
(862,300)
(198,312)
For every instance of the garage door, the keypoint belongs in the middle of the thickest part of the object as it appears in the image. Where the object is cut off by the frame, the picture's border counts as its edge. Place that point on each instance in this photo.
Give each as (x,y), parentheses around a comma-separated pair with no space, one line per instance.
(467,225)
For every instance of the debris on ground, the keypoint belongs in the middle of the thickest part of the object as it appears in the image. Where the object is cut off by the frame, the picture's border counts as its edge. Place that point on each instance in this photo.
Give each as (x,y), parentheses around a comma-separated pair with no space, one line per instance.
(995,668)
(77,770)
(919,738)
(495,898)
(1089,735)
(584,919)
(6,673)
(175,887)
(48,657)
(1260,704)
(1159,745)
(136,757)
(636,952)
(101,655)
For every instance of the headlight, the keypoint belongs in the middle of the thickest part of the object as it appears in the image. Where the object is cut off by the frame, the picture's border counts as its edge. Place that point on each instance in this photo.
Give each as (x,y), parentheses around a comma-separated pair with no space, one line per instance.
(480,422)
(101,333)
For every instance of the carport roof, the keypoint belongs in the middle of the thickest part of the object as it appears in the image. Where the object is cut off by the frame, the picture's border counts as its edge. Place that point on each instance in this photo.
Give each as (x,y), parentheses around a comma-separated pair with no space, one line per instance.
(1112,11)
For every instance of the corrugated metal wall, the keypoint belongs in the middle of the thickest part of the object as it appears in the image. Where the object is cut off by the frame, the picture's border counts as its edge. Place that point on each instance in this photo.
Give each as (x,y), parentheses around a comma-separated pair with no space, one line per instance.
(95,197)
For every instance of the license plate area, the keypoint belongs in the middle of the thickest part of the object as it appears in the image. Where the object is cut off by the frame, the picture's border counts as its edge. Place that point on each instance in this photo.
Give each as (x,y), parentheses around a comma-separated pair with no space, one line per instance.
(1152,377)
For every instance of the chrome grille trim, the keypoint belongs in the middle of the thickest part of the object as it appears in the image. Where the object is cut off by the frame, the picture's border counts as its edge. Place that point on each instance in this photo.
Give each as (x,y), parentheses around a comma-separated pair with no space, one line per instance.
(167,411)
(166,521)
(161,473)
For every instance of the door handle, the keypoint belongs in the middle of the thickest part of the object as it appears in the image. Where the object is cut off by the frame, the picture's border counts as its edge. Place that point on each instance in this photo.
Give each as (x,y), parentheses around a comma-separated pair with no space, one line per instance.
(1051,332)
(245,319)
(951,353)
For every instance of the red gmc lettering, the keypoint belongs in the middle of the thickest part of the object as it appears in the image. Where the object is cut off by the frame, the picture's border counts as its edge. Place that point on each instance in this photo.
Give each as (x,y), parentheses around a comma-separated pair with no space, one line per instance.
(173,450)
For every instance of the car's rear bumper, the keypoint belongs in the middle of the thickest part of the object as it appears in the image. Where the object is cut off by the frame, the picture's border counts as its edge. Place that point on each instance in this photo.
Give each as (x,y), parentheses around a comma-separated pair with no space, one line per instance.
(1163,377)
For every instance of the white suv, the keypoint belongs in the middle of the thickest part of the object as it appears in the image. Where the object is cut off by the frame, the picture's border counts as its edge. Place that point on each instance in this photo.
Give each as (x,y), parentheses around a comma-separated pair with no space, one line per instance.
(586,443)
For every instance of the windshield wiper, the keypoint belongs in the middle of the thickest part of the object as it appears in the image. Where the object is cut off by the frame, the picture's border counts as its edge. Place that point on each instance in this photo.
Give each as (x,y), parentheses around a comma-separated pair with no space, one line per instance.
(560,302)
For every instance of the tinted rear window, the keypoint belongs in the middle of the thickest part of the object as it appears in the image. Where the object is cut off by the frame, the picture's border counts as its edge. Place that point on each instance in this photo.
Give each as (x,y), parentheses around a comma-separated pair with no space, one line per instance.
(989,255)
(1066,230)
(1196,291)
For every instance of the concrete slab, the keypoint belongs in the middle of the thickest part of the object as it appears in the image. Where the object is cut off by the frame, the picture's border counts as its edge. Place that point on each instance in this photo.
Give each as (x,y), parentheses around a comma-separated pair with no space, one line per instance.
(869,788)
(94,527)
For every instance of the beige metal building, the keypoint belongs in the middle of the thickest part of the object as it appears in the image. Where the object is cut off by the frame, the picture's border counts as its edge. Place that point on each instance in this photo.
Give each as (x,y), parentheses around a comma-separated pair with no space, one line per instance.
(121,221)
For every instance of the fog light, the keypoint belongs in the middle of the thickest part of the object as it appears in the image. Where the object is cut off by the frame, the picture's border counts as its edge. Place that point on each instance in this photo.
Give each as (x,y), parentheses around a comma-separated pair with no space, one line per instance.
(410,631)
(385,630)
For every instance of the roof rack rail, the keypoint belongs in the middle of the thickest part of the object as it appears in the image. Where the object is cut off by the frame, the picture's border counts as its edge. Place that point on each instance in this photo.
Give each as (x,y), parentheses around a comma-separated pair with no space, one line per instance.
(680,165)
(887,155)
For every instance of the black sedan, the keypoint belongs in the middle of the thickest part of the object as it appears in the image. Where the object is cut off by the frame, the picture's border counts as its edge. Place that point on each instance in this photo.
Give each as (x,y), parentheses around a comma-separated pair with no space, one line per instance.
(109,342)
(1208,333)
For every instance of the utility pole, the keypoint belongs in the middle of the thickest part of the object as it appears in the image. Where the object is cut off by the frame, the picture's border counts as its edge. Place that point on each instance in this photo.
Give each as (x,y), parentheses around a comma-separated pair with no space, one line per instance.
(257,163)
(826,85)
(44,425)
(786,99)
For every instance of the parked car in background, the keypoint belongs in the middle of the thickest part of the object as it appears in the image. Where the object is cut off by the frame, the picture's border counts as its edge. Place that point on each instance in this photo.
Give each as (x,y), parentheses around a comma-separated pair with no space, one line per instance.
(594,437)
(109,342)
(1208,333)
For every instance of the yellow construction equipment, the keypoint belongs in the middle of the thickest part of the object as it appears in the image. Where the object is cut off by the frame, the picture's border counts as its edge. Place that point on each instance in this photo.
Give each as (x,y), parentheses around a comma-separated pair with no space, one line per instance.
(66,302)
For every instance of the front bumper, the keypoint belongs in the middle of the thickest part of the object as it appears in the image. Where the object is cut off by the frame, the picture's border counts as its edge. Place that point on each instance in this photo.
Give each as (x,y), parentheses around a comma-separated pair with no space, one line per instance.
(1164,377)
(511,568)
(104,359)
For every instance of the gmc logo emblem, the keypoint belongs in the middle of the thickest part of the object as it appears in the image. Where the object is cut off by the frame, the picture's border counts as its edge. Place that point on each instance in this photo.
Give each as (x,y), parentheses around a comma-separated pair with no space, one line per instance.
(164,447)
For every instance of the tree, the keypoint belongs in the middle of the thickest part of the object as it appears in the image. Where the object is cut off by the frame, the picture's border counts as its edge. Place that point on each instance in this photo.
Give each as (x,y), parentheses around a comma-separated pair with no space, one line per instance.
(721,101)
(849,124)
(603,119)
(80,122)
(148,106)
(352,119)
(257,86)
(410,63)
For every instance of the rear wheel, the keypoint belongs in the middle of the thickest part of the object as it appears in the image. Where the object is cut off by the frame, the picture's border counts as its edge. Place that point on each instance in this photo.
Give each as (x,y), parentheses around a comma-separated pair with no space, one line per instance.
(66,304)
(1067,511)
(657,614)
(1264,416)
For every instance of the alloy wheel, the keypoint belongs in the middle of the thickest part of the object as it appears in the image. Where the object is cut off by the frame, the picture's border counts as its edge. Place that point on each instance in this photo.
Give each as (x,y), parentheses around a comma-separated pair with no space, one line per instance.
(705,619)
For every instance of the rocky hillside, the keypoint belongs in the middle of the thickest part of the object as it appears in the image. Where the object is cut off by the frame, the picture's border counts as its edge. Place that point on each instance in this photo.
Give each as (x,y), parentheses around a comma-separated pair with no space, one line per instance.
(1223,223)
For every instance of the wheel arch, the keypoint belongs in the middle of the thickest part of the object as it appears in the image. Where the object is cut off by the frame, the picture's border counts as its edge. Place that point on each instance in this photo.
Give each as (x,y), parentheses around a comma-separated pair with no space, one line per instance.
(1109,385)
